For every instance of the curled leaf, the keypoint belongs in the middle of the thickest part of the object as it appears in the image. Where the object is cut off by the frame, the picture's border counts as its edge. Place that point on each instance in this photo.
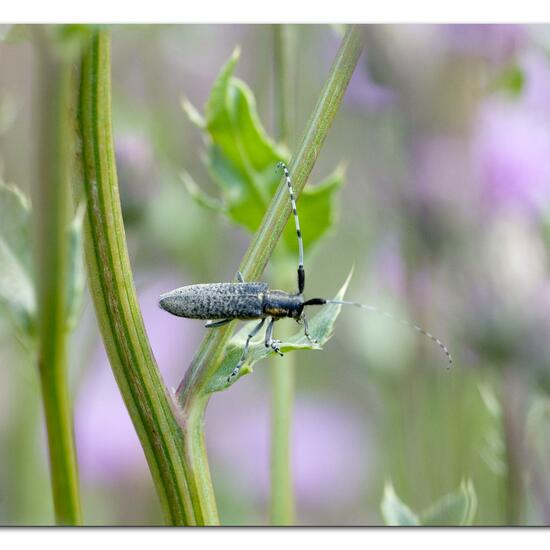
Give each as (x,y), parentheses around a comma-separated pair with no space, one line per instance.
(394,511)
(456,508)
(321,327)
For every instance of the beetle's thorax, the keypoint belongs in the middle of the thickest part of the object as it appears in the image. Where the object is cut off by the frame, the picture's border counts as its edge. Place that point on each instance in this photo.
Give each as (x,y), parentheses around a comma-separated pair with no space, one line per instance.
(278,303)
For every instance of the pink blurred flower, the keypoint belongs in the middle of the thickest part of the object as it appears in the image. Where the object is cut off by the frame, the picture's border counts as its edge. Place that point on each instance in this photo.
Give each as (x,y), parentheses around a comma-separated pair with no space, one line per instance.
(511,143)
(440,170)
(364,92)
(535,95)
(511,148)
(389,266)
(496,43)
(329,459)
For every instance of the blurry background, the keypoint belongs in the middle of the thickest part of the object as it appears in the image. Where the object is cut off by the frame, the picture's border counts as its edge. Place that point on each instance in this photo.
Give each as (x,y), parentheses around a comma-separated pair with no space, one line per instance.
(444,213)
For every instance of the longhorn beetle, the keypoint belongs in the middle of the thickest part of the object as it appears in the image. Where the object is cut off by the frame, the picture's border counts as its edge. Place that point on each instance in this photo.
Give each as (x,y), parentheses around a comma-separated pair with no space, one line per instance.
(220,303)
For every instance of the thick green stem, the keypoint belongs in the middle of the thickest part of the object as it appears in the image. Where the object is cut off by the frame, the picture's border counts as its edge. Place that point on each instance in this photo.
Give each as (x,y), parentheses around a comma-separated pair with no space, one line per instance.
(51,204)
(152,410)
(192,392)
(282,392)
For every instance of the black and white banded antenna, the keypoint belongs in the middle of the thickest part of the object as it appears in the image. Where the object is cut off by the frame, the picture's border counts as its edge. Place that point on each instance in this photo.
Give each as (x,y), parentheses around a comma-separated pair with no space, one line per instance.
(374,309)
(301,274)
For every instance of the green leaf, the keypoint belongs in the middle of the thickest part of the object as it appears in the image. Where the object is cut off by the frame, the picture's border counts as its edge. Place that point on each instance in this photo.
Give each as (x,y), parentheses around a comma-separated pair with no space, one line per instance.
(321,327)
(241,159)
(511,80)
(394,511)
(17,292)
(456,508)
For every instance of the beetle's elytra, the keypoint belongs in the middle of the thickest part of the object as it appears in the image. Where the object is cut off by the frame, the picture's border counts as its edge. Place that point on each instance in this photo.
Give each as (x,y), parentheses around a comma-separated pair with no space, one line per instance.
(224,302)
(217,301)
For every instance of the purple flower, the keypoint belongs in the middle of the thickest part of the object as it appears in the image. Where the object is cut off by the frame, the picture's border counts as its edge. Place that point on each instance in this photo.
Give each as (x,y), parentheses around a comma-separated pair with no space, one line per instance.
(108,446)
(364,92)
(535,95)
(495,43)
(439,168)
(511,143)
(329,459)
(389,267)
(504,163)
(440,189)
(511,148)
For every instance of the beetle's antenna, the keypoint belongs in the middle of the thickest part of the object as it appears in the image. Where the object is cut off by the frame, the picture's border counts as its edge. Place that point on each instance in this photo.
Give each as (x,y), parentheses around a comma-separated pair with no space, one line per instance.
(301,273)
(322,301)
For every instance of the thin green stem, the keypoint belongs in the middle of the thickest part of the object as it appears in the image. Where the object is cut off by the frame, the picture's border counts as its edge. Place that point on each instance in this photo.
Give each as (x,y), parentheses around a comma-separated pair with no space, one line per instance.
(52,200)
(282,392)
(282,492)
(152,410)
(284,72)
(513,425)
(192,392)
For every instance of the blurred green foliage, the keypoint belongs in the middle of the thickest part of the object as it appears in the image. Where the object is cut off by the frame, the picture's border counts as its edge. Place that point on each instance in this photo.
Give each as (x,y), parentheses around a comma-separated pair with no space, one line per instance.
(456,508)
(511,80)
(17,279)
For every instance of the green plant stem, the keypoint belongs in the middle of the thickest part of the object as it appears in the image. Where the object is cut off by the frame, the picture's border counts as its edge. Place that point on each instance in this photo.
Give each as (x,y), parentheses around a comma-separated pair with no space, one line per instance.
(282,390)
(513,425)
(283,375)
(52,200)
(284,65)
(282,493)
(191,393)
(152,410)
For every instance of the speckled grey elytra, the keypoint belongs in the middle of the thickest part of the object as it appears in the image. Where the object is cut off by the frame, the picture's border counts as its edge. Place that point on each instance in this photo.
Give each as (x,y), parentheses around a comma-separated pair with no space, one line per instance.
(216,301)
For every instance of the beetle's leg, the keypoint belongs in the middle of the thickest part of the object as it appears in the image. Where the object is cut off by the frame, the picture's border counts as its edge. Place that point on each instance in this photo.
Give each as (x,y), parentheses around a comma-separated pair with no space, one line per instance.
(269,342)
(306,330)
(251,335)
(240,277)
(301,273)
(216,324)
